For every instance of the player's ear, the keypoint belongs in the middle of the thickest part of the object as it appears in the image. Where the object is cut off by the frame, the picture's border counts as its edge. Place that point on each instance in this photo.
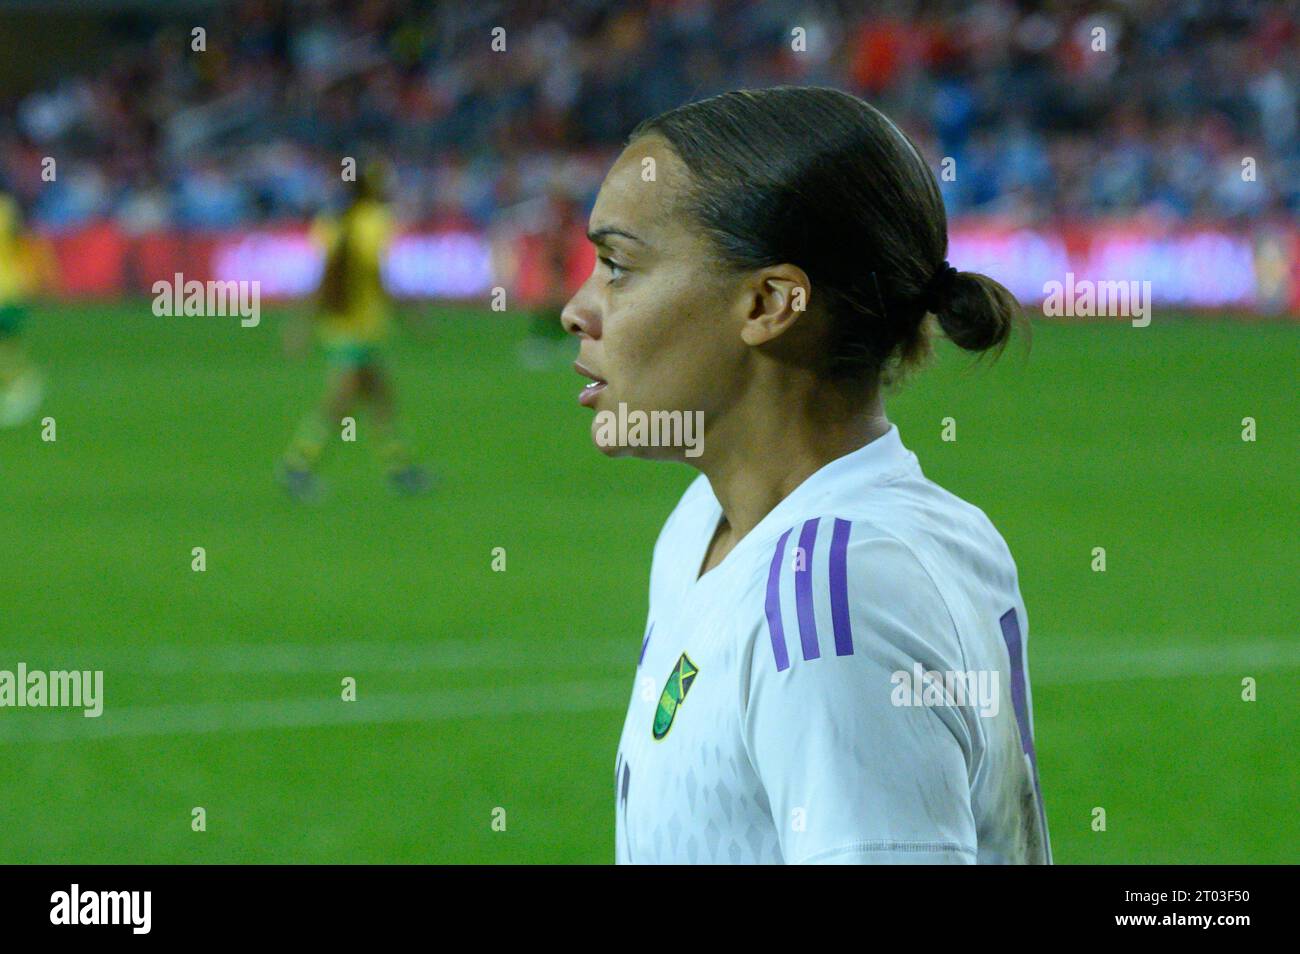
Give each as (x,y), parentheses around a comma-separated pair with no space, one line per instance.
(776,298)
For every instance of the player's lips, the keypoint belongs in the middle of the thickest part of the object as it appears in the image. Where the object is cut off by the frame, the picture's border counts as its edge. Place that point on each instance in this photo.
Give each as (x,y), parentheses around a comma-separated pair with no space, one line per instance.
(587,396)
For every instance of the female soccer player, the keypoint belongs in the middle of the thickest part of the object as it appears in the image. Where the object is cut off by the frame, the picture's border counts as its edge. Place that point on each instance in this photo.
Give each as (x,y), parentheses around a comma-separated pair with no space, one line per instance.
(352,325)
(840,642)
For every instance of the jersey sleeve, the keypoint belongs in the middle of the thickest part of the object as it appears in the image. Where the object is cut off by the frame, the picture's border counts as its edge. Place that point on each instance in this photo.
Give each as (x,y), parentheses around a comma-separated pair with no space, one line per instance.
(851,774)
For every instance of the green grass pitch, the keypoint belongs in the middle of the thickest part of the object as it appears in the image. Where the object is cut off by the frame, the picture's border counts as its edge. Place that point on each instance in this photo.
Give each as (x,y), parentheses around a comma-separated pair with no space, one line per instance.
(480,690)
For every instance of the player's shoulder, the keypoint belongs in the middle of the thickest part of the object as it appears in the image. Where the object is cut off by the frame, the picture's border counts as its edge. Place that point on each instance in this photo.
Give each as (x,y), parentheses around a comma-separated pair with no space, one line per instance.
(846,555)
(870,580)
(376,215)
(838,600)
(911,524)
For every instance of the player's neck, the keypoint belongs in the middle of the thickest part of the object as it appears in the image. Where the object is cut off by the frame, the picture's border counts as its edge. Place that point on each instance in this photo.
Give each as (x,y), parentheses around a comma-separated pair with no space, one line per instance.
(759,459)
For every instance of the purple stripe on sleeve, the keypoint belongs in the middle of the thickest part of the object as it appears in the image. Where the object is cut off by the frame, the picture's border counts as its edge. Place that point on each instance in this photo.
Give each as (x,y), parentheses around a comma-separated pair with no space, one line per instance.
(644,643)
(1011,634)
(803,597)
(1010,623)
(773,606)
(840,588)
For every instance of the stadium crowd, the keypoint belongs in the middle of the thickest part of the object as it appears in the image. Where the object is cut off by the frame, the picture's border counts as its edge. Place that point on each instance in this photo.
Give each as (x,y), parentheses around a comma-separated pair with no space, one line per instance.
(1039,121)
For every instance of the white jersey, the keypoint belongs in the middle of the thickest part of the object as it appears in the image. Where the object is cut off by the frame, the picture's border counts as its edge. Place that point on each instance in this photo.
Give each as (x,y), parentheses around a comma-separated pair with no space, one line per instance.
(849,685)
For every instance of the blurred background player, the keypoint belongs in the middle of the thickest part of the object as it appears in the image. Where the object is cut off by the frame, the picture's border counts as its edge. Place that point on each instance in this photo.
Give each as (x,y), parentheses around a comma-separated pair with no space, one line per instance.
(22,269)
(352,316)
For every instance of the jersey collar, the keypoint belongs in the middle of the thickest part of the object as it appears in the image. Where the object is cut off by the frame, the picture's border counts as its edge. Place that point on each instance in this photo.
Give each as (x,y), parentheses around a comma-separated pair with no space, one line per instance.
(882,460)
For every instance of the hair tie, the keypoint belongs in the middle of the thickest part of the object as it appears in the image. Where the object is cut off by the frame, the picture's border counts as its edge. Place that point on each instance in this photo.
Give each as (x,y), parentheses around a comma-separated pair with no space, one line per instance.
(938,294)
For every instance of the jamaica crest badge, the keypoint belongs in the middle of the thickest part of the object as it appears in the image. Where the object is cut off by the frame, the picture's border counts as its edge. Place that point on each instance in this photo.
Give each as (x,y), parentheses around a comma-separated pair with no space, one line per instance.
(679,684)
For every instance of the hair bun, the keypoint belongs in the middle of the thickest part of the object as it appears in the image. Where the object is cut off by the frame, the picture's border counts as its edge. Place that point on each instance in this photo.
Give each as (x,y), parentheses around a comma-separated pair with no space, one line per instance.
(977,313)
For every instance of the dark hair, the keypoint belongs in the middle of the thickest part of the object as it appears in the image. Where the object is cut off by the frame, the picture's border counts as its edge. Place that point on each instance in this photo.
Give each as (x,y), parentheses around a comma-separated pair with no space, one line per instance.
(816,177)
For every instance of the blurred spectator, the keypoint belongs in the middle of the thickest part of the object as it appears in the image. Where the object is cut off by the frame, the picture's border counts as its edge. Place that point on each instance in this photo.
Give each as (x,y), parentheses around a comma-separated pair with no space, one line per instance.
(1063,109)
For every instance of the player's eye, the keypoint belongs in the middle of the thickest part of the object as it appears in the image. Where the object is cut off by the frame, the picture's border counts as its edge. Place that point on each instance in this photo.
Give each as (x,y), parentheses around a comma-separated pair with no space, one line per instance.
(616,270)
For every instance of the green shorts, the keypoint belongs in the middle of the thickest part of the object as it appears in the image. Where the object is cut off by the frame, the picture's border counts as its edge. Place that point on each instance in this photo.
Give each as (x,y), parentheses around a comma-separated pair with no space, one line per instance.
(351,354)
(12,319)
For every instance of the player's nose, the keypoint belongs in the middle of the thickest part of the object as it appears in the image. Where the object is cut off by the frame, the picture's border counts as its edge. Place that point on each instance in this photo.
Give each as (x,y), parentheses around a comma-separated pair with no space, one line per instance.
(579,318)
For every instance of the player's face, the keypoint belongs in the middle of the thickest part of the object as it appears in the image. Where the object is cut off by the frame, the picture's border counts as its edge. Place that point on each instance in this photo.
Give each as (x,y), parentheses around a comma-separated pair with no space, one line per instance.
(657,319)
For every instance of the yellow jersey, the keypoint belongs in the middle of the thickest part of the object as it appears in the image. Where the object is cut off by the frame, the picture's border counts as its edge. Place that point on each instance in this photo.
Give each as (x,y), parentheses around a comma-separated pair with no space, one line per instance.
(354,243)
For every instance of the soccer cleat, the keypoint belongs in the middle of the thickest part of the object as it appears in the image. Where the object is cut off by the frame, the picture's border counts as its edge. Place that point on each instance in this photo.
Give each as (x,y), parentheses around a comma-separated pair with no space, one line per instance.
(410,481)
(301,484)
